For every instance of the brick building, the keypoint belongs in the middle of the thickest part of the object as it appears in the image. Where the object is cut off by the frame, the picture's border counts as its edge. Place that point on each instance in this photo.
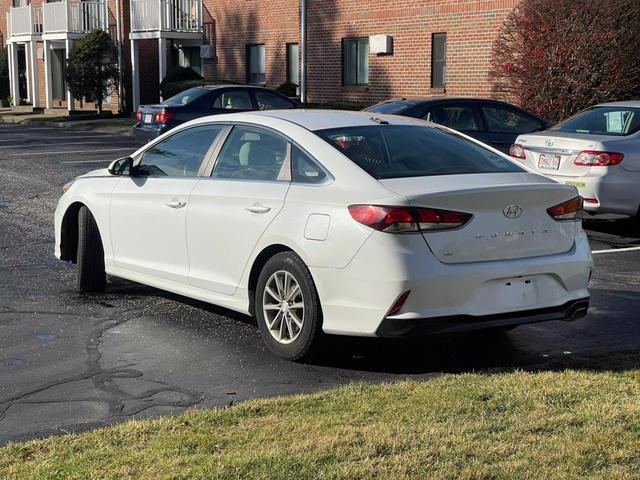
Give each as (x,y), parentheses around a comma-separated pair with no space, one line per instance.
(356,50)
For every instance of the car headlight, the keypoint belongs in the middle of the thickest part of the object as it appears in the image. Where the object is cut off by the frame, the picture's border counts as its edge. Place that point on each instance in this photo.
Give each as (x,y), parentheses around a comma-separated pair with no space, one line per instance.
(67,186)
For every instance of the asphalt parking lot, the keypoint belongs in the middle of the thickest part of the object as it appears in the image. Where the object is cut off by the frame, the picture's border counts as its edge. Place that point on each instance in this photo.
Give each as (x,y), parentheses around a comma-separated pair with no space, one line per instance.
(70,362)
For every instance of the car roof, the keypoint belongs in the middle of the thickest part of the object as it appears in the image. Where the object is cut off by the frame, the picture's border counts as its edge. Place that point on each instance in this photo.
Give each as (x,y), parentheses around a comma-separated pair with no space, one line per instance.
(440,99)
(626,103)
(326,119)
(252,87)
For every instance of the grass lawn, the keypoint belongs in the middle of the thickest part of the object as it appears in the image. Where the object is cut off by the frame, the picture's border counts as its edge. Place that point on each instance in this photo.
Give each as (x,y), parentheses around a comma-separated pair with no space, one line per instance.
(516,425)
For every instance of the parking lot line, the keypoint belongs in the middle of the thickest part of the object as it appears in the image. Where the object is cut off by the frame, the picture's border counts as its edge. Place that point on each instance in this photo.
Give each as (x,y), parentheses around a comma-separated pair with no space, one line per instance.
(133,144)
(614,250)
(78,162)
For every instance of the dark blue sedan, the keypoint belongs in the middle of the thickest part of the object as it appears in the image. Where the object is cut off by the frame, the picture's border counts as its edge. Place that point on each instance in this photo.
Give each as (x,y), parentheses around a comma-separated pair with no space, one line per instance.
(492,122)
(154,120)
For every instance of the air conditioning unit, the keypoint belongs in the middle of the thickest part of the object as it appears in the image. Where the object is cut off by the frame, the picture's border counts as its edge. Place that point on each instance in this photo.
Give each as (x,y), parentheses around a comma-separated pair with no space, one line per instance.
(207,51)
(381,44)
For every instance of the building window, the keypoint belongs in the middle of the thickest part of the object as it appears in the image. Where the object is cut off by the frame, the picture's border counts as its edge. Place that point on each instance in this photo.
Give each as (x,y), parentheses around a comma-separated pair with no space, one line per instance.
(438,60)
(293,66)
(255,64)
(355,61)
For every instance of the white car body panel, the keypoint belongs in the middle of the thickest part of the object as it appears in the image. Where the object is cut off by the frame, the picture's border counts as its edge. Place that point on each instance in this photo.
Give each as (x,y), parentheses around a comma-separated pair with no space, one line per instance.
(206,249)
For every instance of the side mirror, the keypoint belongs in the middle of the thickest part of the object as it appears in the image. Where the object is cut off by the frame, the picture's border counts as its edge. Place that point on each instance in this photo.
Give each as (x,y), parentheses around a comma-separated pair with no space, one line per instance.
(121,166)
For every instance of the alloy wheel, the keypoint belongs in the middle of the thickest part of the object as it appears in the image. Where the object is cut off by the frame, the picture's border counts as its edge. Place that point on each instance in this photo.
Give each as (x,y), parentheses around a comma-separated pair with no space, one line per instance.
(283,307)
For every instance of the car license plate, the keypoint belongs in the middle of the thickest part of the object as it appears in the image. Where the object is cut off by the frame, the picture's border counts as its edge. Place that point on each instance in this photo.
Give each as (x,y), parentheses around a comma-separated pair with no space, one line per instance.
(549,162)
(148,118)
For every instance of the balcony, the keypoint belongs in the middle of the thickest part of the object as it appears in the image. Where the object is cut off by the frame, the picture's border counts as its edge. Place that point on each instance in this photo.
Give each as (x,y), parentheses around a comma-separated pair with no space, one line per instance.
(71,18)
(24,22)
(166,18)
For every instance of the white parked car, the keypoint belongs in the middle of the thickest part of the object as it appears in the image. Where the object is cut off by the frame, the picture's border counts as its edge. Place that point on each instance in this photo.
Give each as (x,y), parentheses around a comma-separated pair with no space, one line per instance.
(597,151)
(334,222)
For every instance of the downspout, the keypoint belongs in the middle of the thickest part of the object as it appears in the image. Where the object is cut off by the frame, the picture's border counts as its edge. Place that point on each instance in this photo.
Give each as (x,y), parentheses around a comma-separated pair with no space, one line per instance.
(120,74)
(303,51)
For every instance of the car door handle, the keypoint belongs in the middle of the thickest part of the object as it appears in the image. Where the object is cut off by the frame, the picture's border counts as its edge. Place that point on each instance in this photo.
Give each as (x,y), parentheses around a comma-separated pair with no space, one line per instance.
(175,204)
(258,208)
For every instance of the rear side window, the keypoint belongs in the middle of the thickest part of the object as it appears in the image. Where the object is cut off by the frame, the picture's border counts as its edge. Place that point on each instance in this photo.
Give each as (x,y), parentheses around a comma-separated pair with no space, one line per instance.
(458,117)
(181,154)
(251,154)
(397,151)
(186,97)
(271,101)
(304,169)
(233,100)
(615,121)
(507,120)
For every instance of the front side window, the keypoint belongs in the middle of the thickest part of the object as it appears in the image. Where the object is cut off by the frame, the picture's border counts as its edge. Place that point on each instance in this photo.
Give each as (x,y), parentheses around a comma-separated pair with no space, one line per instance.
(458,117)
(251,153)
(255,64)
(438,60)
(507,120)
(355,61)
(233,100)
(180,155)
(615,121)
(271,101)
(397,151)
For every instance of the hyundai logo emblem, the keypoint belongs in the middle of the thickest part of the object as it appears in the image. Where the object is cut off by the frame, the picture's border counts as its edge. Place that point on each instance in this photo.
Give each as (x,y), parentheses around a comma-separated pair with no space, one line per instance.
(549,143)
(512,211)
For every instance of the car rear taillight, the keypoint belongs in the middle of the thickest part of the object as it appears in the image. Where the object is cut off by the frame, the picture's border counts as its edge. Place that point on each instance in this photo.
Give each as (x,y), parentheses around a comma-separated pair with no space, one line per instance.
(517,151)
(569,210)
(164,117)
(592,158)
(407,219)
(139,116)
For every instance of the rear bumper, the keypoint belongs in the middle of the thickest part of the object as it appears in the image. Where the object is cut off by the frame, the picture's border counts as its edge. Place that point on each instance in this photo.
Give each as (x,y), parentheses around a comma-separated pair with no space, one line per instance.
(615,192)
(356,299)
(464,323)
(145,134)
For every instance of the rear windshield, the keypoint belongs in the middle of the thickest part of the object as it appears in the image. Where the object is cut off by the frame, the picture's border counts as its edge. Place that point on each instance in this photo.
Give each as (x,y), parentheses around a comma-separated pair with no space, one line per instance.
(615,121)
(390,107)
(397,151)
(186,97)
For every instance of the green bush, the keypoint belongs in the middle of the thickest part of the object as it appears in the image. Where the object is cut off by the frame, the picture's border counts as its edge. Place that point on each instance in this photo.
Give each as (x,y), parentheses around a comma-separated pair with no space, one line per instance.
(178,75)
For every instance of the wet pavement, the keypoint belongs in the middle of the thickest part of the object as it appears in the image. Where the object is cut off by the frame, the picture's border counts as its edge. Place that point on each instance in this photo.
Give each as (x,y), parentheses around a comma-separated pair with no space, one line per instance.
(70,362)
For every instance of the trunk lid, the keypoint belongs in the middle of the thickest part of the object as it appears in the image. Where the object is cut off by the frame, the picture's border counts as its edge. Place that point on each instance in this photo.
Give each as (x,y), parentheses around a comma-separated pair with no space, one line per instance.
(149,113)
(491,234)
(553,153)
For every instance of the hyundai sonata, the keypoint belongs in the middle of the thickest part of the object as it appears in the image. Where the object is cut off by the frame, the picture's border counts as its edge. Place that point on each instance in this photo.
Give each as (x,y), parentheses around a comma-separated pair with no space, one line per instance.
(332,222)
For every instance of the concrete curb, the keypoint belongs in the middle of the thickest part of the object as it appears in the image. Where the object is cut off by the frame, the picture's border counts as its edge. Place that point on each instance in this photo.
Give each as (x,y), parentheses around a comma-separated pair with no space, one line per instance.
(85,127)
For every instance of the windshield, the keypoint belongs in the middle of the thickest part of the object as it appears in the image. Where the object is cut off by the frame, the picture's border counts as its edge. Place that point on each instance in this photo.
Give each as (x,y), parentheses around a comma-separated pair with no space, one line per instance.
(397,151)
(391,107)
(185,97)
(615,121)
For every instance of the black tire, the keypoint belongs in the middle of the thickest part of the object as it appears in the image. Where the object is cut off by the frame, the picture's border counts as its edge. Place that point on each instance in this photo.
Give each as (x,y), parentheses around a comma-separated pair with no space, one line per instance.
(306,345)
(91,276)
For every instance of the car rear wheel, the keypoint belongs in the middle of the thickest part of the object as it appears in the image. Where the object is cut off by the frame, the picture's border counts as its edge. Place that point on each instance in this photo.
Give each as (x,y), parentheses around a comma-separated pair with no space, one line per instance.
(287,308)
(91,276)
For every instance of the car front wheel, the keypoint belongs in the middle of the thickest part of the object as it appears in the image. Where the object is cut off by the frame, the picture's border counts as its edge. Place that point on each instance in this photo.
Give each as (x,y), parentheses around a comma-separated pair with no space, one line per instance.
(287,308)
(90,254)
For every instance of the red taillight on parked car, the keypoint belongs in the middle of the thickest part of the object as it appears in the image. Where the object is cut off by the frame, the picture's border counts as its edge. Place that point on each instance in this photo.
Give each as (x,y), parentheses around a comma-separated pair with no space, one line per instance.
(517,151)
(592,158)
(399,303)
(569,210)
(164,117)
(139,116)
(407,219)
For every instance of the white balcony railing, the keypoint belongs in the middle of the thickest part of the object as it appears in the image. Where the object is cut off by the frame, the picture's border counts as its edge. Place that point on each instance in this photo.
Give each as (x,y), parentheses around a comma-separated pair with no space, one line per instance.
(71,16)
(166,15)
(24,21)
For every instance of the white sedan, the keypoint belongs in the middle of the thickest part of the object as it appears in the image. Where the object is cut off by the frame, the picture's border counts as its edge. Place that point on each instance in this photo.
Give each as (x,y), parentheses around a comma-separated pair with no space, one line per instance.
(597,151)
(332,222)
